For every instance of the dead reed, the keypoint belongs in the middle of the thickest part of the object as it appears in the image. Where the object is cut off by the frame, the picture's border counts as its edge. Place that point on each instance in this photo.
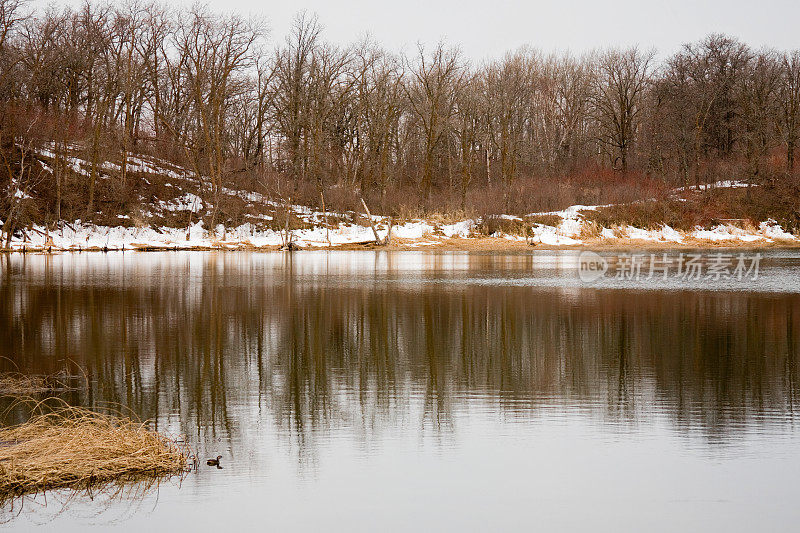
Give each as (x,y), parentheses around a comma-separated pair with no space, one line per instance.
(18,384)
(74,448)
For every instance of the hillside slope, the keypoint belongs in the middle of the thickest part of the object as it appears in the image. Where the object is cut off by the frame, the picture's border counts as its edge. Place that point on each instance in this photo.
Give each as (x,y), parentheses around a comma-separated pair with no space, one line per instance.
(164,206)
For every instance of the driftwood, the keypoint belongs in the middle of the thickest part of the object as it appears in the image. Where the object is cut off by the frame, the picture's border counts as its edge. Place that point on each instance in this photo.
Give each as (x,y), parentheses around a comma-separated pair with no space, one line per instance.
(70,226)
(378,240)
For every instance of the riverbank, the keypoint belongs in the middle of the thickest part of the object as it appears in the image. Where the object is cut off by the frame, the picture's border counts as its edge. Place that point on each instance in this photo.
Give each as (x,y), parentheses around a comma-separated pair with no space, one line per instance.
(176,215)
(298,227)
(415,235)
(485,244)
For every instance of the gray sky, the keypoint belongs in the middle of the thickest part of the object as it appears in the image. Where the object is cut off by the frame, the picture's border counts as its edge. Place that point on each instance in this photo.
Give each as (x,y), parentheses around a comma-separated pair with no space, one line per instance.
(489,28)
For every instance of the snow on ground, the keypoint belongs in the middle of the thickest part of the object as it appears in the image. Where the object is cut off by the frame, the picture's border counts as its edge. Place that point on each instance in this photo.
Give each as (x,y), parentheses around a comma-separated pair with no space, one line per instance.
(665,234)
(551,236)
(731,184)
(772,230)
(463,229)
(79,236)
(412,230)
(573,223)
(725,233)
(187,202)
(413,233)
(88,236)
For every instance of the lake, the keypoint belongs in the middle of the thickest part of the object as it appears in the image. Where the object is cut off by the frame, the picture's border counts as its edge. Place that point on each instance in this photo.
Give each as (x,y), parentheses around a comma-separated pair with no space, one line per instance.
(423,391)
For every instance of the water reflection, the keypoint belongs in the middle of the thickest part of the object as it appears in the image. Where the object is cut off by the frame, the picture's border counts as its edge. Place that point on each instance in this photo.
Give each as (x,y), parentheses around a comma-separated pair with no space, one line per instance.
(114,503)
(205,344)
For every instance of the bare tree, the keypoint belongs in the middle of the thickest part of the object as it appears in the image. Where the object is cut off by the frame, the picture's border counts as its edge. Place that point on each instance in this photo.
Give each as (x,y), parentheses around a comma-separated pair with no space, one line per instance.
(12,14)
(431,93)
(377,108)
(469,130)
(216,51)
(621,79)
(757,92)
(292,78)
(510,87)
(789,104)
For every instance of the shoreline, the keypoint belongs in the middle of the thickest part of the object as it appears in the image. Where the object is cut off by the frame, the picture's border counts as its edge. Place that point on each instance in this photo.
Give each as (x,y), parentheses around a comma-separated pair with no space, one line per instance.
(475,244)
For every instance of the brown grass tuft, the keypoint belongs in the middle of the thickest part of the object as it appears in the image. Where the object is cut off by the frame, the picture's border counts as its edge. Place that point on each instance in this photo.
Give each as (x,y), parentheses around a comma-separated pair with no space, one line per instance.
(491,224)
(75,448)
(546,220)
(590,230)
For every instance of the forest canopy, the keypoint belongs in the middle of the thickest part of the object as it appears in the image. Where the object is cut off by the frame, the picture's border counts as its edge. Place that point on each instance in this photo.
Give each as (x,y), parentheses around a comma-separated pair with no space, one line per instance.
(428,131)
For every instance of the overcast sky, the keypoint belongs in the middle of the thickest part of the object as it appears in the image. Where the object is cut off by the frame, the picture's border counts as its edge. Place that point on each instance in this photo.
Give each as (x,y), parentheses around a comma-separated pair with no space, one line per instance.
(485,29)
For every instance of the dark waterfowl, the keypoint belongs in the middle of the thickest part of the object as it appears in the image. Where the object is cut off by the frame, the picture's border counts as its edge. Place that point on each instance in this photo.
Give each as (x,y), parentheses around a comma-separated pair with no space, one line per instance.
(214,462)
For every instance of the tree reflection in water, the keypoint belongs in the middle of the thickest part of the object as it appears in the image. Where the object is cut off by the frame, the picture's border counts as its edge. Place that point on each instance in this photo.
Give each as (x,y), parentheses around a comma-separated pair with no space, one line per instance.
(205,343)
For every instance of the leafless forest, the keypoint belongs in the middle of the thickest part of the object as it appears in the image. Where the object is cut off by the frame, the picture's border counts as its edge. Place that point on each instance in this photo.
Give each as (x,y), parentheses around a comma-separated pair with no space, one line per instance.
(428,131)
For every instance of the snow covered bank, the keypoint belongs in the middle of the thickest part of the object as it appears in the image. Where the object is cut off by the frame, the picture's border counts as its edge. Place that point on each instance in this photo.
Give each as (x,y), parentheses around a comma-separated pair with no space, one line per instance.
(91,237)
(572,230)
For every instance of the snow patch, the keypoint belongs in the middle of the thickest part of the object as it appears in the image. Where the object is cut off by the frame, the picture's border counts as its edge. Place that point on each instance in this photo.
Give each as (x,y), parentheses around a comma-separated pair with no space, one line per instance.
(665,234)
(772,230)
(725,233)
(463,229)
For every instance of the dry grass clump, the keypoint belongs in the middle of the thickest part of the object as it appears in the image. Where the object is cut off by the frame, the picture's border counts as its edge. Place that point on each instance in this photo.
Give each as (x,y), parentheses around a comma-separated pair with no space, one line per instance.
(649,214)
(491,224)
(545,220)
(450,217)
(75,448)
(590,230)
(18,384)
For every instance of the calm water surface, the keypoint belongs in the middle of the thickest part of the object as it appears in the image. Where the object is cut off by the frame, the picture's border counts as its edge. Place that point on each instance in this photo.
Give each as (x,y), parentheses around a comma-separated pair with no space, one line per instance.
(406,391)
